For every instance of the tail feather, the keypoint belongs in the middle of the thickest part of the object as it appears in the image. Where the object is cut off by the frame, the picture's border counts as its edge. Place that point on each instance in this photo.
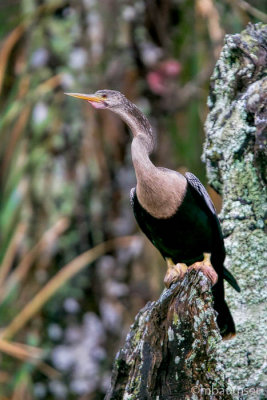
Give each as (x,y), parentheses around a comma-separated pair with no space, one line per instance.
(224,319)
(231,279)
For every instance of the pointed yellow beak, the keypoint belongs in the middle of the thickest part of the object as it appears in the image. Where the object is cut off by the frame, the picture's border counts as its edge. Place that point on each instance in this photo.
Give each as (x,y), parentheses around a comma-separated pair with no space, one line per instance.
(88,97)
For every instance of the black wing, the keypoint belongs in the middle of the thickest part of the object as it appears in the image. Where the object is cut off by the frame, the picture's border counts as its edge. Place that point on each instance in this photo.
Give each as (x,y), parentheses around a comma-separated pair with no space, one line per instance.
(203,195)
(197,185)
(205,202)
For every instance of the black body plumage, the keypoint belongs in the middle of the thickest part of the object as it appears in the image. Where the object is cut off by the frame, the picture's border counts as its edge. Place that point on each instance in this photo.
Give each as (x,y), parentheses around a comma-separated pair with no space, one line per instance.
(193,230)
(183,223)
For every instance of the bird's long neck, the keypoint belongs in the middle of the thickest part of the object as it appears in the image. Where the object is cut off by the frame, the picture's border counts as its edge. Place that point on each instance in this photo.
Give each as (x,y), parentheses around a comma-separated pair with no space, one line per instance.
(143,142)
(159,191)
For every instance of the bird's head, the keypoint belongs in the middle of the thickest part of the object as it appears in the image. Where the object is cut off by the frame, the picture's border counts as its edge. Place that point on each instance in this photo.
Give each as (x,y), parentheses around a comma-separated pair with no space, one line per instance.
(105,99)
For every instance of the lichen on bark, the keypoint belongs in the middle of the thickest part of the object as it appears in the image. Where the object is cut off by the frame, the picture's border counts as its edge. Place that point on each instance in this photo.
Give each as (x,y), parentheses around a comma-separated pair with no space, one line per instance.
(171,351)
(235,156)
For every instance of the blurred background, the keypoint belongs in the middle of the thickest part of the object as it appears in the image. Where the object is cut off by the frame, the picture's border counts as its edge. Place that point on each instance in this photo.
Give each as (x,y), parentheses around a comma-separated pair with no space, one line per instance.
(66,172)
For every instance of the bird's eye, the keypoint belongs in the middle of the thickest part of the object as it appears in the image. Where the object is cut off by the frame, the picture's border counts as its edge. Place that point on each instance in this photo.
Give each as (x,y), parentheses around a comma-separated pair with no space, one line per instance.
(104,96)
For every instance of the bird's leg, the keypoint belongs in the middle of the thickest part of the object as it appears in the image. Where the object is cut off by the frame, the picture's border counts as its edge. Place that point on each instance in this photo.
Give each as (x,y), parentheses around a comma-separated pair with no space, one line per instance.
(206,267)
(174,272)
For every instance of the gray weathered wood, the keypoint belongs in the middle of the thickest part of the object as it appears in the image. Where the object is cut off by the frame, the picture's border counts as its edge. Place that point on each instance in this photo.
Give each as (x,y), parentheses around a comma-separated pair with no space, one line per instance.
(171,349)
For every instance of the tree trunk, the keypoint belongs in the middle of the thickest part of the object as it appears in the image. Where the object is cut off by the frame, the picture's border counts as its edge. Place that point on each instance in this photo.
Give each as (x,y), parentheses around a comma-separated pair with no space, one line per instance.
(173,350)
(235,155)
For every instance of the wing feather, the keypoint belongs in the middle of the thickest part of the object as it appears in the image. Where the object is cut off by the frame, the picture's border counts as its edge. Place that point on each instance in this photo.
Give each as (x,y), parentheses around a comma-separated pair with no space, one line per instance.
(197,185)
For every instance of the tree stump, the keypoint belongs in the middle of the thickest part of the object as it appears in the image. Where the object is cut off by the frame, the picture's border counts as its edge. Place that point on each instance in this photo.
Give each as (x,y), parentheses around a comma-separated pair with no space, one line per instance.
(171,350)
(235,153)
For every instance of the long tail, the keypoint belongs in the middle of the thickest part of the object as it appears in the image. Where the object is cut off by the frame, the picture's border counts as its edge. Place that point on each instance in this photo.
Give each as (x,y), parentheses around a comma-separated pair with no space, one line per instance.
(224,318)
(231,279)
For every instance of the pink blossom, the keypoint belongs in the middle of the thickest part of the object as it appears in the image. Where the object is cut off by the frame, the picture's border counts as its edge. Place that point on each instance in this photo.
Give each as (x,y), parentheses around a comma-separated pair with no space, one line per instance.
(162,76)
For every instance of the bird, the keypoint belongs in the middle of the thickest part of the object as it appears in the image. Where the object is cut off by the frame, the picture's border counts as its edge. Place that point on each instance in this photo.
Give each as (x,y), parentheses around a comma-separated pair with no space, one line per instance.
(173,210)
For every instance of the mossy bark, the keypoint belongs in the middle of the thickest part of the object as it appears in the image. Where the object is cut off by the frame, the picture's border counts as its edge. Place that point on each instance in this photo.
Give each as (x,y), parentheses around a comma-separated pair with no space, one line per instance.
(171,351)
(235,155)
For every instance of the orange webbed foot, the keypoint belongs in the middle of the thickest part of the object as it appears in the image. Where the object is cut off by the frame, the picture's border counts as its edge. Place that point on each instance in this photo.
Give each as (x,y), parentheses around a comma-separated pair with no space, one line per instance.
(206,267)
(174,272)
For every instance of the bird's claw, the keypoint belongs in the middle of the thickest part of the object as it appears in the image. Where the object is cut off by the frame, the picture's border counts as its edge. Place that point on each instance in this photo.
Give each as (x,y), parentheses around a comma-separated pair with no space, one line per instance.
(174,273)
(206,267)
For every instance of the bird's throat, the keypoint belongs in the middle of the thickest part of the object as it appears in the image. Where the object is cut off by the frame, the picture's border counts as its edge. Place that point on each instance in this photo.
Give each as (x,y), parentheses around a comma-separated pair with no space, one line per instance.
(144,168)
(159,191)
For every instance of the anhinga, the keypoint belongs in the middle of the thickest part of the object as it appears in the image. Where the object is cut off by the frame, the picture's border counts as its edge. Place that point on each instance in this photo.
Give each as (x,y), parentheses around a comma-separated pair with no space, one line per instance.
(174,211)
